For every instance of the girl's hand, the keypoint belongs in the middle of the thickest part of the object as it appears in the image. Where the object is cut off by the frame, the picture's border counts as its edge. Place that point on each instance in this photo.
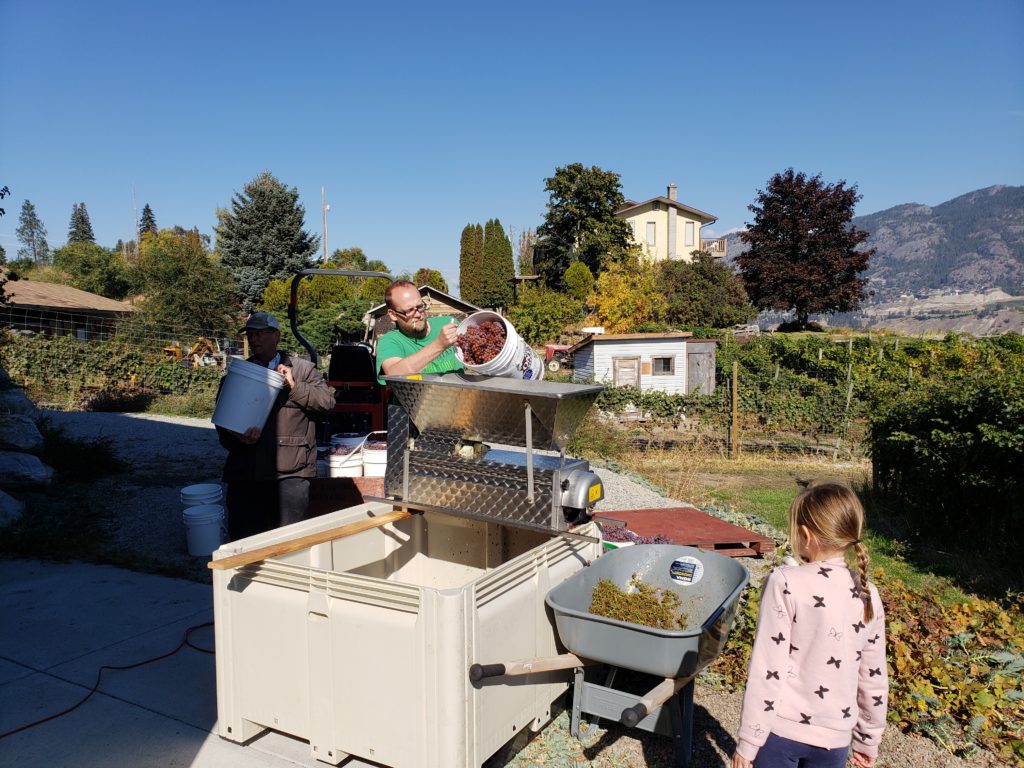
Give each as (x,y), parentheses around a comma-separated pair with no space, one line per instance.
(739,761)
(861,760)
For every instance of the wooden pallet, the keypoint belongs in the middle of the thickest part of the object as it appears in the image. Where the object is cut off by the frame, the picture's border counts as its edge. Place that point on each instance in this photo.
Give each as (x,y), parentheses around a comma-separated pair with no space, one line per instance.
(693,528)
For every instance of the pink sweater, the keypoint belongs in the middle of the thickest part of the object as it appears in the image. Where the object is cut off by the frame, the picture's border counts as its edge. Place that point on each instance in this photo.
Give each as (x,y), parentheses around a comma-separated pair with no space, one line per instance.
(817,673)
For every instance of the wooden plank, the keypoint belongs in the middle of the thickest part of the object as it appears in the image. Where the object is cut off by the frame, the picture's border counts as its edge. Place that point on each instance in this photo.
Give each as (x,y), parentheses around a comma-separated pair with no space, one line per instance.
(691,527)
(304,542)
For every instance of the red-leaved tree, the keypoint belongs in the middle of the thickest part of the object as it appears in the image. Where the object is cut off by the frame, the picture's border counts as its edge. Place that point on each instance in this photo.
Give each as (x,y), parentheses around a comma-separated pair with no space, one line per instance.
(803,249)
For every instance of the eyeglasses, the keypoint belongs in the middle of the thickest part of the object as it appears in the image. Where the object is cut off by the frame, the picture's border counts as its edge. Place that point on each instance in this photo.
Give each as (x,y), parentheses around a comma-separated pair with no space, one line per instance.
(419,309)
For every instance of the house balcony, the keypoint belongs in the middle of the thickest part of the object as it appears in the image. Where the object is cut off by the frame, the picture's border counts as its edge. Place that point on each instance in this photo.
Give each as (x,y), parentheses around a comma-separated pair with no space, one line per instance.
(718,247)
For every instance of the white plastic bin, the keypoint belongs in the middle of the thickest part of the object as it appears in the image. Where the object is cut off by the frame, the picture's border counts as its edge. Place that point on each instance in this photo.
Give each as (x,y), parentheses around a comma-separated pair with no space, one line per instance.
(363,645)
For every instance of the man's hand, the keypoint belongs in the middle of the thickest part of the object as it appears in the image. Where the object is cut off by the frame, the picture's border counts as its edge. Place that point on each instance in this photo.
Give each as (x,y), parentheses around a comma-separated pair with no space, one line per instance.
(286,371)
(739,761)
(251,435)
(449,333)
(861,760)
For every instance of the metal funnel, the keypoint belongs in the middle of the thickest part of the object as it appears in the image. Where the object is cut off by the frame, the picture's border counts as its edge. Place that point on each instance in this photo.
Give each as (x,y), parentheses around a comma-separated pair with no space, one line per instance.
(492,408)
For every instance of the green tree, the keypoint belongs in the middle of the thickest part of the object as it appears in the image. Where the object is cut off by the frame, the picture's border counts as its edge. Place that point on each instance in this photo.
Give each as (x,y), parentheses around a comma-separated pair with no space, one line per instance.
(80,228)
(524,259)
(471,263)
(350,258)
(147,222)
(542,315)
(580,223)
(802,254)
(93,268)
(185,288)
(579,281)
(498,267)
(261,237)
(3,255)
(32,236)
(431,277)
(704,292)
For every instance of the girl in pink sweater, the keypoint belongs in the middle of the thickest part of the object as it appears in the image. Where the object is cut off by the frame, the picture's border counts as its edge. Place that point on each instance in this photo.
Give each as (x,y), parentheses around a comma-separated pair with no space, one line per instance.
(817,682)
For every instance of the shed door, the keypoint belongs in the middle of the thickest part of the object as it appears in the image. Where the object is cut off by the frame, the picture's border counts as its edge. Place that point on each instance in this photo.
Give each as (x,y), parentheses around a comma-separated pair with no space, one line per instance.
(626,371)
(700,373)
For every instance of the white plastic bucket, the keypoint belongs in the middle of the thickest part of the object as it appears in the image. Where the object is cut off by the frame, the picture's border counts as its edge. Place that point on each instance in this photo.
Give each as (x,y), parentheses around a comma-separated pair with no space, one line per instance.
(375,458)
(204,527)
(346,465)
(247,395)
(516,359)
(202,493)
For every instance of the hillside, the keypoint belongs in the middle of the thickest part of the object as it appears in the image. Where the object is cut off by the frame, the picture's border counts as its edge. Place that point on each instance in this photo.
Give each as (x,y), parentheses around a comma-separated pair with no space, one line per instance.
(973,243)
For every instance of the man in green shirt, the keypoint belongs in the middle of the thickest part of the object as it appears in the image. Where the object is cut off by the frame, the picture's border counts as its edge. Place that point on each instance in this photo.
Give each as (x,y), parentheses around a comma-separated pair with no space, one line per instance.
(418,344)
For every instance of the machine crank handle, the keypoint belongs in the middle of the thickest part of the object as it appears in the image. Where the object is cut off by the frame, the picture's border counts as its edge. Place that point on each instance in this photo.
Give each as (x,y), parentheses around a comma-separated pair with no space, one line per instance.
(657,696)
(478,672)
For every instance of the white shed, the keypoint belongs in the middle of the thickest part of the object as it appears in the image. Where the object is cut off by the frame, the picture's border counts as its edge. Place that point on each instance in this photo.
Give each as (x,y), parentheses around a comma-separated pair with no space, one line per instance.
(673,362)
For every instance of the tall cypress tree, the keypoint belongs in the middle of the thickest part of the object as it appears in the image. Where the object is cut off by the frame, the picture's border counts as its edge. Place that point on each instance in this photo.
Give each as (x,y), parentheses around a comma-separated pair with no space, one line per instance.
(261,237)
(498,266)
(469,272)
(147,222)
(32,235)
(80,229)
(478,260)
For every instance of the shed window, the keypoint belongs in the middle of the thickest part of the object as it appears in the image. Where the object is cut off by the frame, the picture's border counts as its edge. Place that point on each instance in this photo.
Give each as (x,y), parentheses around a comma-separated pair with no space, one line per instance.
(663,366)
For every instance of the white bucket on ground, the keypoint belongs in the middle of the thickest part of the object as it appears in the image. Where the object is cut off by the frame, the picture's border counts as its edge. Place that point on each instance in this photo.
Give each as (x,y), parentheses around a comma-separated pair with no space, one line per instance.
(375,457)
(247,396)
(204,526)
(516,359)
(201,493)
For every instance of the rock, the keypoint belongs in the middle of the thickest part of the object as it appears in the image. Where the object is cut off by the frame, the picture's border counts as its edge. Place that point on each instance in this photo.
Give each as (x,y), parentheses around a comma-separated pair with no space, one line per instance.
(14,401)
(19,433)
(23,470)
(11,510)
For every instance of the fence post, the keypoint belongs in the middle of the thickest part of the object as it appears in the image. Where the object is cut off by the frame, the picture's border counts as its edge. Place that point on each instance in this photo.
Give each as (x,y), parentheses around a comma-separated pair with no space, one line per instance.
(735,408)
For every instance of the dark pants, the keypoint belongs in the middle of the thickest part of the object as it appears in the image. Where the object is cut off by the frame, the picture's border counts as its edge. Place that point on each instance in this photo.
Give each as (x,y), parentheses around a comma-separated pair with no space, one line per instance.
(257,507)
(778,752)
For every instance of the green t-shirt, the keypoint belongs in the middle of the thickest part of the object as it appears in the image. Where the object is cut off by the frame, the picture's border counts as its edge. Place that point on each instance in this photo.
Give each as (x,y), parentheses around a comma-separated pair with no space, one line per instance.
(397,344)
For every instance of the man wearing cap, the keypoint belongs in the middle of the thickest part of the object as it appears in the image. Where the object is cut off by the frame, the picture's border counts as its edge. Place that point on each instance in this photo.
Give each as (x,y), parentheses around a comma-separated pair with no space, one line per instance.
(268,468)
(418,344)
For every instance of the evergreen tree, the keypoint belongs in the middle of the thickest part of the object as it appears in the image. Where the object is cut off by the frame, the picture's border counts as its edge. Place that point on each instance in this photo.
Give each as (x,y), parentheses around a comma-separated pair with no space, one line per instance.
(32,236)
(147,222)
(80,229)
(802,253)
(497,267)
(3,255)
(469,266)
(580,224)
(261,238)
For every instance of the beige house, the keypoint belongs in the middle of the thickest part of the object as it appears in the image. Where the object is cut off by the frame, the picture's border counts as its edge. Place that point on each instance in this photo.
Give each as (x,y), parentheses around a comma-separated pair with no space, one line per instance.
(666,229)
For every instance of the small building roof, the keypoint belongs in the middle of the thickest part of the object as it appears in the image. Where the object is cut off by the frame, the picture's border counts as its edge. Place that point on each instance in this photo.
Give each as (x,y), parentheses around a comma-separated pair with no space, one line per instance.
(380,309)
(704,218)
(603,337)
(32,294)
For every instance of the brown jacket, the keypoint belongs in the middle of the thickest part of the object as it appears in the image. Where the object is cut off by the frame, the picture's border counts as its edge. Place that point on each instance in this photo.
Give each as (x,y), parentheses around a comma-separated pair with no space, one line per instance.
(287,445)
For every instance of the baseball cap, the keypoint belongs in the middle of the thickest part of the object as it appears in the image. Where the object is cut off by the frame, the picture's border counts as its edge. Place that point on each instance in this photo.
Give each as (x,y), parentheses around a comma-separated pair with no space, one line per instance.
(259,321)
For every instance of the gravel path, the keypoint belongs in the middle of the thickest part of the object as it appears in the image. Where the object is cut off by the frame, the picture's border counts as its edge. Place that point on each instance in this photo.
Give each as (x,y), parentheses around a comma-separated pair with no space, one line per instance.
(166,453)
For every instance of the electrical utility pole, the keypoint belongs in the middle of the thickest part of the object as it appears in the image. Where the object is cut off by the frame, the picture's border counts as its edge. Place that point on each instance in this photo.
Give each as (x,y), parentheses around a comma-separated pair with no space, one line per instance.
(326,208)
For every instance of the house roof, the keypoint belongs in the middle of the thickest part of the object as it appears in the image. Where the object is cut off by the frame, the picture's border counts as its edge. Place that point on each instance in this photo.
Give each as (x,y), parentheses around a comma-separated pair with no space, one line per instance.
(36,295)
(603,337)
(379,309)
(705,218)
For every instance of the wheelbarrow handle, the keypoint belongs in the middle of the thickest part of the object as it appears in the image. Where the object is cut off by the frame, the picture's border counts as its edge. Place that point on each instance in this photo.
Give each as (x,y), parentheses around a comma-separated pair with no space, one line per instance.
(478,672)
(657,696)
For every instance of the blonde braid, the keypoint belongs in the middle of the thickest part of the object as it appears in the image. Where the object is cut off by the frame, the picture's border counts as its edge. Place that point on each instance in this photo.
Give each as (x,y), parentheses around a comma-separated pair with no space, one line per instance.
(863,561)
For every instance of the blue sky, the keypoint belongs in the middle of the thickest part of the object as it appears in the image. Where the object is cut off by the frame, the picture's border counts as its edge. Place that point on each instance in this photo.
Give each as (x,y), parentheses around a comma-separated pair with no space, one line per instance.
(419,118)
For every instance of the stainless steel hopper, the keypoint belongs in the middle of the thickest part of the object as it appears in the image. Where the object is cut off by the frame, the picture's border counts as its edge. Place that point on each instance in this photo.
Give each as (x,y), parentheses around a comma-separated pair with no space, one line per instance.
(436,422)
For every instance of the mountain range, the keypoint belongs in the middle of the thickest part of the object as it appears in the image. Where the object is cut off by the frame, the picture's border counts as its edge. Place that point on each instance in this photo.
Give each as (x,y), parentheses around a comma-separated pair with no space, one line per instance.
(972,243)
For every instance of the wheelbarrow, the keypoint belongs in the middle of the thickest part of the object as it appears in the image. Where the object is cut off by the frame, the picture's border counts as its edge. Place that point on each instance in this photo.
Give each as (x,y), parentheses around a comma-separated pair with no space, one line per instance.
(708,586)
